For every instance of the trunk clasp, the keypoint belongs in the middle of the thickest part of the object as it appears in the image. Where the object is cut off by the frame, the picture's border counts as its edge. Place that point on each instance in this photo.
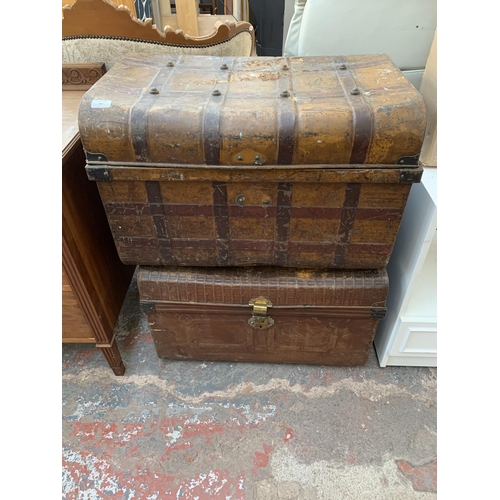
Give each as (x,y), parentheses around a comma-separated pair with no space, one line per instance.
(259,317)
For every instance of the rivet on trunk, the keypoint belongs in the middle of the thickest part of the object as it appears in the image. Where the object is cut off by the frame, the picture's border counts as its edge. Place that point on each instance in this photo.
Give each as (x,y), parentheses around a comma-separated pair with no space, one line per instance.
(258,160)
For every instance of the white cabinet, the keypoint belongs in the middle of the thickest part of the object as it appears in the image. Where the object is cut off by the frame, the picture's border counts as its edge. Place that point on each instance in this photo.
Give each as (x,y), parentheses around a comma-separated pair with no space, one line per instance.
(408,335)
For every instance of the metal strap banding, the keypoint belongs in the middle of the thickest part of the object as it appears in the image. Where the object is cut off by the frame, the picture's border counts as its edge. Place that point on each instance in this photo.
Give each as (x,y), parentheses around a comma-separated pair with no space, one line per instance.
(283,210)
(361,114)
(211,119)
(221,217)
(139,113)
(351,201)
(286,109)
(157,212)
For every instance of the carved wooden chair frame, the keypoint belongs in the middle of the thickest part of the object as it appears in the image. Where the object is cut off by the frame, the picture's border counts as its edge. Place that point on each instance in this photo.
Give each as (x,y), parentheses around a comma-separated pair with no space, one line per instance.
(102,18)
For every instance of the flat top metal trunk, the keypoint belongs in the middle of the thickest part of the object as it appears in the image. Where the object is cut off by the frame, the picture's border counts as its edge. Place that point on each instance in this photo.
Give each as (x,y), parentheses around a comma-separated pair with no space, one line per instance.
(260,111)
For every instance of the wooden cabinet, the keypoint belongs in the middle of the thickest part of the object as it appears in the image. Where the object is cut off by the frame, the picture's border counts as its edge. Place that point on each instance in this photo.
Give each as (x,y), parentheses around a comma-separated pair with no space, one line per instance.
(75,326)
(94,280)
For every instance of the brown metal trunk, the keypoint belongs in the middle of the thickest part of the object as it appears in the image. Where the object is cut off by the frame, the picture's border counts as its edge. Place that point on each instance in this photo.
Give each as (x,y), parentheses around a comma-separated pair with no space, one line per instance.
(295,316)
(210,161)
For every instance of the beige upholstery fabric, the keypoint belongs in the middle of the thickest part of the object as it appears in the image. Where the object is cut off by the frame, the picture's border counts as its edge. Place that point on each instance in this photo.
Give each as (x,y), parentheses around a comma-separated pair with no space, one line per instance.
(402,29)
(110,51)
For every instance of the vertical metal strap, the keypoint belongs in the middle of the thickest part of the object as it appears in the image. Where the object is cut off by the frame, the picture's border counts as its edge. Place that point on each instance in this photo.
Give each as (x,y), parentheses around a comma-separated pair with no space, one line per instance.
(153,191)
(140,110)
(287,112)
(351,201)
(361,113)
(221,216)
(283,210)
(211,119)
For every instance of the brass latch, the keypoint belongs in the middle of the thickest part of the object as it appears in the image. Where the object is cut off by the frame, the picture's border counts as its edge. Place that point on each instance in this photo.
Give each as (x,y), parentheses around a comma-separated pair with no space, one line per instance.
(259,317)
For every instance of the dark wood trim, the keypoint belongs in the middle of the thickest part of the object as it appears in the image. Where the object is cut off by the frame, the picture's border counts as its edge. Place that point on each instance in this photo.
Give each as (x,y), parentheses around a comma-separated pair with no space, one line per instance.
(81,76)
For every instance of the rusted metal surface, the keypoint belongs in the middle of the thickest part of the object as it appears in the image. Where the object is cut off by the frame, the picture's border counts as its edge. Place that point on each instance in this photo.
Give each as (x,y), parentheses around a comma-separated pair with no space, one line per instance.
(255,161)
(331,123)
(228,222)
(266,315)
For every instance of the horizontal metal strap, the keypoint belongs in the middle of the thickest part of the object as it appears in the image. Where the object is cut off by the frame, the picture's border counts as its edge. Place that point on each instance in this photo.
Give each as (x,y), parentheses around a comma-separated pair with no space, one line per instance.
(277,311)
(302,166)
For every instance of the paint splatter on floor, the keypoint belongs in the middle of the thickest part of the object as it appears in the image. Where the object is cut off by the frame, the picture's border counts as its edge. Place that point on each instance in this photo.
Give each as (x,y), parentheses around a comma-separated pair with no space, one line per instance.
(197,431)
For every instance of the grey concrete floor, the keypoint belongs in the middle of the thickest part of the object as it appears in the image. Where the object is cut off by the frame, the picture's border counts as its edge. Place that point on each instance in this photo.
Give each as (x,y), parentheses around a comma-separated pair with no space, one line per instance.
(203,430)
